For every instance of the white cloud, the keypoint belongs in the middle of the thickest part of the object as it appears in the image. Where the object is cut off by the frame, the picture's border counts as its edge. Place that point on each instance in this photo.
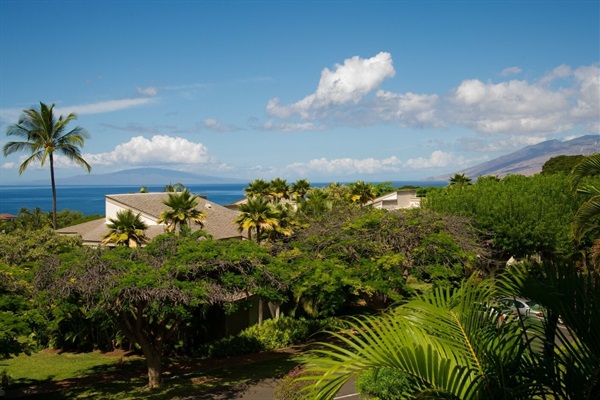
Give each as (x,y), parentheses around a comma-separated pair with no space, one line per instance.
(510,71)
(437,159)
(9,165)
(216,126)
(558,102)
(366,166)
(510,107)
(271,125)
(346,84)
(410,108)
(104,106)
(149,91)
(160,150)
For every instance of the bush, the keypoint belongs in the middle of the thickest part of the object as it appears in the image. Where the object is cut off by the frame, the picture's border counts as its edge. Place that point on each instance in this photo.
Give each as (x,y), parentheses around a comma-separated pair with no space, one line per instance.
(384,383)
(290,388)
(272,334)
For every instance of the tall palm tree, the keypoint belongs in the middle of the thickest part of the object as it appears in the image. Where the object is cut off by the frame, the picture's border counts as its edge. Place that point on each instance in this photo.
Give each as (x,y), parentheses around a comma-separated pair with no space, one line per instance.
(183,211)
(362,192)
(300,188)
(257,188)
(126,229)
(43,135)
(257,215)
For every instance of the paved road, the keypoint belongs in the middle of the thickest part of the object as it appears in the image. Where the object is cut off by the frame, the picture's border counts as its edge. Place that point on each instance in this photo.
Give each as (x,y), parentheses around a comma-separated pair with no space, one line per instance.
(263,390)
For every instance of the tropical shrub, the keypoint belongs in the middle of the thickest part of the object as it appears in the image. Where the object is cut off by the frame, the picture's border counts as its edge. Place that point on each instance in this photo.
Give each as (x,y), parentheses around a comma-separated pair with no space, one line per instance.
(272,334)
(383,383)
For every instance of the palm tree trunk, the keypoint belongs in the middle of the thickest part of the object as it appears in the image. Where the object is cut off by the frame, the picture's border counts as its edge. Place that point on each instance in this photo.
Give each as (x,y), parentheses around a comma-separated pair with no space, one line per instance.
(53,183)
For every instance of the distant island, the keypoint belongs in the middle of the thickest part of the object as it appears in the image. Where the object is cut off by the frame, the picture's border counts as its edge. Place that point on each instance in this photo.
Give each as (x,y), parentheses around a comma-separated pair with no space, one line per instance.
(140,177)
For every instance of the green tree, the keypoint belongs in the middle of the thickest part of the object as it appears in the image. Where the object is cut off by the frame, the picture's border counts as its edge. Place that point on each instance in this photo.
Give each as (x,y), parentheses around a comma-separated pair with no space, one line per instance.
(126,229)
(183,211)
(456,345)
(257,188)
(279,189)
(385,188)
(520,216)
(300,188)
(560,164)
(18,315)
(155,291)
(460,180)
(257,215)
(178,187)
(42,135)
(587,217)
(362,192)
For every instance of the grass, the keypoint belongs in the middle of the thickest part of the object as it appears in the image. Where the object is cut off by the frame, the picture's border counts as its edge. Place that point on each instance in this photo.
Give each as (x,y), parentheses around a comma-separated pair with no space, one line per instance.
(56,376)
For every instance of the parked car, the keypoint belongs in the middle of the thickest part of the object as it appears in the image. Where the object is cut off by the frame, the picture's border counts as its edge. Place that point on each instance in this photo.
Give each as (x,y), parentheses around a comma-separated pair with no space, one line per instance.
(524,307)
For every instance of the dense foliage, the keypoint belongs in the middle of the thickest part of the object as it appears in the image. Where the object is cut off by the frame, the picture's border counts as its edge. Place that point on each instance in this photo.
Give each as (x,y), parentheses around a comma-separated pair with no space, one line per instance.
(521,216)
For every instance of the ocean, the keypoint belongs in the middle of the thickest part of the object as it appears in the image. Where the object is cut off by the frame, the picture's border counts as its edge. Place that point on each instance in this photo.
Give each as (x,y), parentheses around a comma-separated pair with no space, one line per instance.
(90,199)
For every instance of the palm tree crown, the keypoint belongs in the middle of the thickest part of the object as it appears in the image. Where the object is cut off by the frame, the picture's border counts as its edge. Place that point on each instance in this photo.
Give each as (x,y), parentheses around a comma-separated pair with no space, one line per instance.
(183,211)
(126,229)
(43,135)
(460,180)
(586,218)
(300,188)
(258,215)
(362,192)
(257,188)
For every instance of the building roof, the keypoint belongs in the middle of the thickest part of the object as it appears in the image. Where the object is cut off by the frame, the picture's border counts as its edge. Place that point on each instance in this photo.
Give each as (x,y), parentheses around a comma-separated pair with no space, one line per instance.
(6,217)
(219,222)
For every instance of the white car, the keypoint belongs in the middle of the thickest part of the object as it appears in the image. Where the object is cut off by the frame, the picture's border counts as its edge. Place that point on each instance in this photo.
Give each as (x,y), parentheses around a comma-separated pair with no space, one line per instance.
(524,307)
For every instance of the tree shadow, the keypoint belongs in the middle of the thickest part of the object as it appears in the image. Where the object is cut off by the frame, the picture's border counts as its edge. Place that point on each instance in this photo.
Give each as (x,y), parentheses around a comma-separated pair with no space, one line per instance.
(211,379)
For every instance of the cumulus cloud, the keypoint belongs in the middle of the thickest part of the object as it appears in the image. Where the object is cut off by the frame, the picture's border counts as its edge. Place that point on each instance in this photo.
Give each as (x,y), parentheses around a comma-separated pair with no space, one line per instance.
(555,104)
(350,95)
(367,166)
(347,84)
(159,150)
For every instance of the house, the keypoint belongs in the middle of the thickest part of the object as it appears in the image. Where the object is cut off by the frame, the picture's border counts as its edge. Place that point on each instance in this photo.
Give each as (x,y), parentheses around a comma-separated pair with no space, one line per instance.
(400,199)
(219,222)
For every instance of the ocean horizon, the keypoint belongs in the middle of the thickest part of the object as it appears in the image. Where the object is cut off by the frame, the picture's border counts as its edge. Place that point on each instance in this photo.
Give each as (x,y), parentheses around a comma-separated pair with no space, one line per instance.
(89,199)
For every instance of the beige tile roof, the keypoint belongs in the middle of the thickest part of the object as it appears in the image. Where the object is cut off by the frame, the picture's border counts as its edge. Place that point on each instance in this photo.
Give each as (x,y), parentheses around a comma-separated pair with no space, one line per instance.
(219,222)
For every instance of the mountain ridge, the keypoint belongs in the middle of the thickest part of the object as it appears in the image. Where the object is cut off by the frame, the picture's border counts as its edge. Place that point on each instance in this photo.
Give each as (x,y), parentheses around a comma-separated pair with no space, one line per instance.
(141,177)
(530,160)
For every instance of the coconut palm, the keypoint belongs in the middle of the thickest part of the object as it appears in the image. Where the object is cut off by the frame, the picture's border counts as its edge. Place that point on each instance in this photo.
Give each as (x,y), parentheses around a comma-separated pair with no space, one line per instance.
(450,348)
(587,217)
(178,187)
(126,229)
(183,211)
(454,345)
(362,192)
(43,135)
(279,189)
(460,180)
(300,188)
(257,215)
(257,188)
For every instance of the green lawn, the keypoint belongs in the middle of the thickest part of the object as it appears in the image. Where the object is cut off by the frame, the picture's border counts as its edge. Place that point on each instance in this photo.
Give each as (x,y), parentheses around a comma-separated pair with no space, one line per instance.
(94,375)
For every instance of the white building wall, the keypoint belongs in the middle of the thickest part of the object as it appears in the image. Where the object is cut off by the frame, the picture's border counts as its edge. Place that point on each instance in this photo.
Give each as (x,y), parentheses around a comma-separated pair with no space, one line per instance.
(111,210)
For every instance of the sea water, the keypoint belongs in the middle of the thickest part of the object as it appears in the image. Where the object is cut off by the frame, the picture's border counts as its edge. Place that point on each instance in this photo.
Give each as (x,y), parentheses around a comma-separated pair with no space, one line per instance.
(90,199)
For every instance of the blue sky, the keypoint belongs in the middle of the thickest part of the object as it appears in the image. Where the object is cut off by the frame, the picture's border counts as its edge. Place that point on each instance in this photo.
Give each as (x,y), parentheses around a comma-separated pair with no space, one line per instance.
(324,90)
